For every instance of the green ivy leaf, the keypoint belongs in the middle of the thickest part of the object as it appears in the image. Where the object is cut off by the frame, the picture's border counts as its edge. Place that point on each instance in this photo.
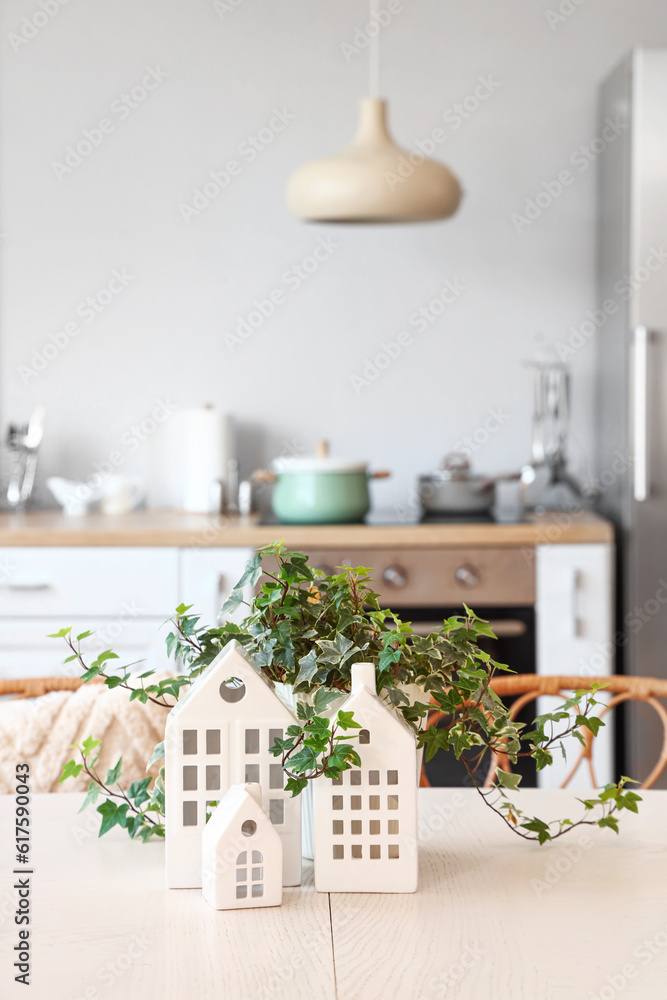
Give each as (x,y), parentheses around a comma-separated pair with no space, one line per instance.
(70,770)
(508,779)
(113,774)
(158,754)
(347,721)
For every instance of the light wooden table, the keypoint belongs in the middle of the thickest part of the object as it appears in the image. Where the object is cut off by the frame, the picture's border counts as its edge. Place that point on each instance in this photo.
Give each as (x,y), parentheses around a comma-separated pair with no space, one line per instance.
(494,918)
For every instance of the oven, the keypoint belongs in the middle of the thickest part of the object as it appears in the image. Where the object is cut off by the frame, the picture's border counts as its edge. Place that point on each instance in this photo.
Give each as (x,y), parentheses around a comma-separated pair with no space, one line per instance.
(424,586)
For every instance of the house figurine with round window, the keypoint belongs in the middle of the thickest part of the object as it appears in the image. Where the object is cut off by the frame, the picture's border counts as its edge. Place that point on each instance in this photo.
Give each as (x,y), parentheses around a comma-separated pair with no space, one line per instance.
(242,853)
(366,819)
(218,734)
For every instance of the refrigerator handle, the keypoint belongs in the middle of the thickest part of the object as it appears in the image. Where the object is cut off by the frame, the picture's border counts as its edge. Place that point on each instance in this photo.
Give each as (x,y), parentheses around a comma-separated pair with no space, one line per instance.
(641,486)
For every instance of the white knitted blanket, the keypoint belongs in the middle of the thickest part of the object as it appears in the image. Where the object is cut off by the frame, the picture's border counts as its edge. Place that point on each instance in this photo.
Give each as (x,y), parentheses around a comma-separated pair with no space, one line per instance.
(41,731)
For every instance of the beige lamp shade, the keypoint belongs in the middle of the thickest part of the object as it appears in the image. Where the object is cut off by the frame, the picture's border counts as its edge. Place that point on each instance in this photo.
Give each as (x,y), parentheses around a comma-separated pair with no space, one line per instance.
(373,180)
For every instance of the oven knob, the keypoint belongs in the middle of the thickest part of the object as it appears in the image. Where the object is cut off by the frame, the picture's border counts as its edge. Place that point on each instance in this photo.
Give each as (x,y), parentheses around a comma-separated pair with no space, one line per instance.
(395,576)
(467,575)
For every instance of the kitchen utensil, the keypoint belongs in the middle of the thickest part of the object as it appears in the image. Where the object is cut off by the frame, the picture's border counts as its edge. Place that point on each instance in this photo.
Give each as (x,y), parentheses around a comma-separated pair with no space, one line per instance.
(546,483)
(121,494)
(24,441)
(453,489)
(74,497)
(319,490)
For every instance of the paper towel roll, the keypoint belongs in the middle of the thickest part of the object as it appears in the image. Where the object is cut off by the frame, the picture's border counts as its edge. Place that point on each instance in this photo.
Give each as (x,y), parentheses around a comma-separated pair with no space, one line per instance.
(189,453)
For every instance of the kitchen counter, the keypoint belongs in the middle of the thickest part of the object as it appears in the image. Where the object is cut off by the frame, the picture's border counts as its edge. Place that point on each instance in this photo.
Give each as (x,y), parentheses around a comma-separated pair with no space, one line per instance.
(173,528)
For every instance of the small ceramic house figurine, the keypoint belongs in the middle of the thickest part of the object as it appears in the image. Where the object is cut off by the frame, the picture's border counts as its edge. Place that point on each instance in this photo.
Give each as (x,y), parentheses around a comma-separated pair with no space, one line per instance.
(366,820)
(242,854)
(218,734)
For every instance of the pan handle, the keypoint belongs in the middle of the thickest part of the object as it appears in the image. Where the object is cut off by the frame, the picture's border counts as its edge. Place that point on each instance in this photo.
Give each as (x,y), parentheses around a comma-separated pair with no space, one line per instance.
(384,474)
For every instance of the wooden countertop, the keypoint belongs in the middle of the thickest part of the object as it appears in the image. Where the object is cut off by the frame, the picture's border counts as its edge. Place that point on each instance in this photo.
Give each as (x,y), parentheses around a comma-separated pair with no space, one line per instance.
(173,528)
(492,917)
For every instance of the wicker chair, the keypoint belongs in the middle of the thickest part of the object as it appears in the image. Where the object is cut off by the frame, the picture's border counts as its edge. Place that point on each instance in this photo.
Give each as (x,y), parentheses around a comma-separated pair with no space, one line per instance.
(33,687)
(527,687)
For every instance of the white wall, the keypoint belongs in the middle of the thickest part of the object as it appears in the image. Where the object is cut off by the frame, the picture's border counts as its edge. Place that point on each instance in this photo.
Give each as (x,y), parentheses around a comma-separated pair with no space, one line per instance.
(290,383)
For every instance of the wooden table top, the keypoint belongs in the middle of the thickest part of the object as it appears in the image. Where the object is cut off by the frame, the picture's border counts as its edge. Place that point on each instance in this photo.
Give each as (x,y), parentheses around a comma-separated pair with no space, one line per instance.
(174,528)
(494,918)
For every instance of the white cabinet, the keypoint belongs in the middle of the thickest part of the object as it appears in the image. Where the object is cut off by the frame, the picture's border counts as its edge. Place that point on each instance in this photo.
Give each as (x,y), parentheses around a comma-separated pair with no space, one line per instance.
(26,650)
(121,594)
(100,582)
(574,615)
(207,576)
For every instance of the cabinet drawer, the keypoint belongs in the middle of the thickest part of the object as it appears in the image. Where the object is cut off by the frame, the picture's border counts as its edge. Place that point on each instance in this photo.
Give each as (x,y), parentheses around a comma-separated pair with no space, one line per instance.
(101,582)
(26,650)
(439,577)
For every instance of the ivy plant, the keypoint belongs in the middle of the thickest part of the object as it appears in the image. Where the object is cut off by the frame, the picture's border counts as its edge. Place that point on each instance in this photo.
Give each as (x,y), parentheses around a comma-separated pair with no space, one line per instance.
(306,628)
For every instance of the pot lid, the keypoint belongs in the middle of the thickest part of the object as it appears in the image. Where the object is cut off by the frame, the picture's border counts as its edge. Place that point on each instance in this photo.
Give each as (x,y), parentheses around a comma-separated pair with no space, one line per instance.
(301,465)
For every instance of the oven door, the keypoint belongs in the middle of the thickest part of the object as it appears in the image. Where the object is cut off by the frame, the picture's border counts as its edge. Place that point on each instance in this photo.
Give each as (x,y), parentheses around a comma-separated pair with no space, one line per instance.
(515,645)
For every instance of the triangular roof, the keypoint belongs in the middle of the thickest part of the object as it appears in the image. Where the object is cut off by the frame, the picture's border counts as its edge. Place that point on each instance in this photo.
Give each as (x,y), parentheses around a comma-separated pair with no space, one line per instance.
(368,707)
(232,661)
(240,804)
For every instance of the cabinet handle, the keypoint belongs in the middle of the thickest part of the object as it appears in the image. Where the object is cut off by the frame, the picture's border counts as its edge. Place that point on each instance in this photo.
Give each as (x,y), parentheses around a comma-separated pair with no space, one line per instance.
(575,590)
(26,587)
(640,414)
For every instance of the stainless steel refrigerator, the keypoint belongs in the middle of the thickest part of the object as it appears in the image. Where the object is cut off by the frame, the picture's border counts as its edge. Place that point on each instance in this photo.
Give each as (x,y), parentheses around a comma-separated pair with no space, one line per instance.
(631,322)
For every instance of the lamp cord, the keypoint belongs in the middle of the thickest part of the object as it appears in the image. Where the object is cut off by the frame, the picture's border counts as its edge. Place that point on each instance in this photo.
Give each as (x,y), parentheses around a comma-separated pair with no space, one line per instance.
(374,50)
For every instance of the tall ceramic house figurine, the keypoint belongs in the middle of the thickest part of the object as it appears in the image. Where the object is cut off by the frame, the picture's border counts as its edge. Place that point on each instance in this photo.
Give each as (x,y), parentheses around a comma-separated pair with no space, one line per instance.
(218,734)
(242,854)
(366,820)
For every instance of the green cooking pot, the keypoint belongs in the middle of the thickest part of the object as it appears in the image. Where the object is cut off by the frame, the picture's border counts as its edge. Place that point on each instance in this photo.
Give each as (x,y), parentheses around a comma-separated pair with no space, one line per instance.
(321,490)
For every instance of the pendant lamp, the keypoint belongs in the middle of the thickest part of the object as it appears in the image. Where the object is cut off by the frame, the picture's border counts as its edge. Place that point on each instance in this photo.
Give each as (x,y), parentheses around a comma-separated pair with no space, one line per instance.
(373,180)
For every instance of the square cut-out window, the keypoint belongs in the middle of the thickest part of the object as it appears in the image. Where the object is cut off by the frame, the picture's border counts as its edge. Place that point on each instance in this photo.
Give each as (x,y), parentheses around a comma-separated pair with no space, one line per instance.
(257,874)
(212,777)
(189,741)
(364,736)
(338,780)
(252,773)
(392,851)
(241,891)
(190,778)
(275,734)
(212,741)
(338,827)
(392,777)
(392,802)
(338,852)
(258,889)
(375,851)
(252,741)
(356,850)
(241,874)
(336,801)
(355,826)
(373,777)
(277,811)
(375,827)
(189,814)
(276,776)
(355,801)
(374,801)
(392,826)
(355,777)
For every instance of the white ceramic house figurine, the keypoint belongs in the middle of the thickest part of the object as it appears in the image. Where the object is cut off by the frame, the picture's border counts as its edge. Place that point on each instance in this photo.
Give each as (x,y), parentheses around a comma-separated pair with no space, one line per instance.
(242,853)
(366,821)
(217,735)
